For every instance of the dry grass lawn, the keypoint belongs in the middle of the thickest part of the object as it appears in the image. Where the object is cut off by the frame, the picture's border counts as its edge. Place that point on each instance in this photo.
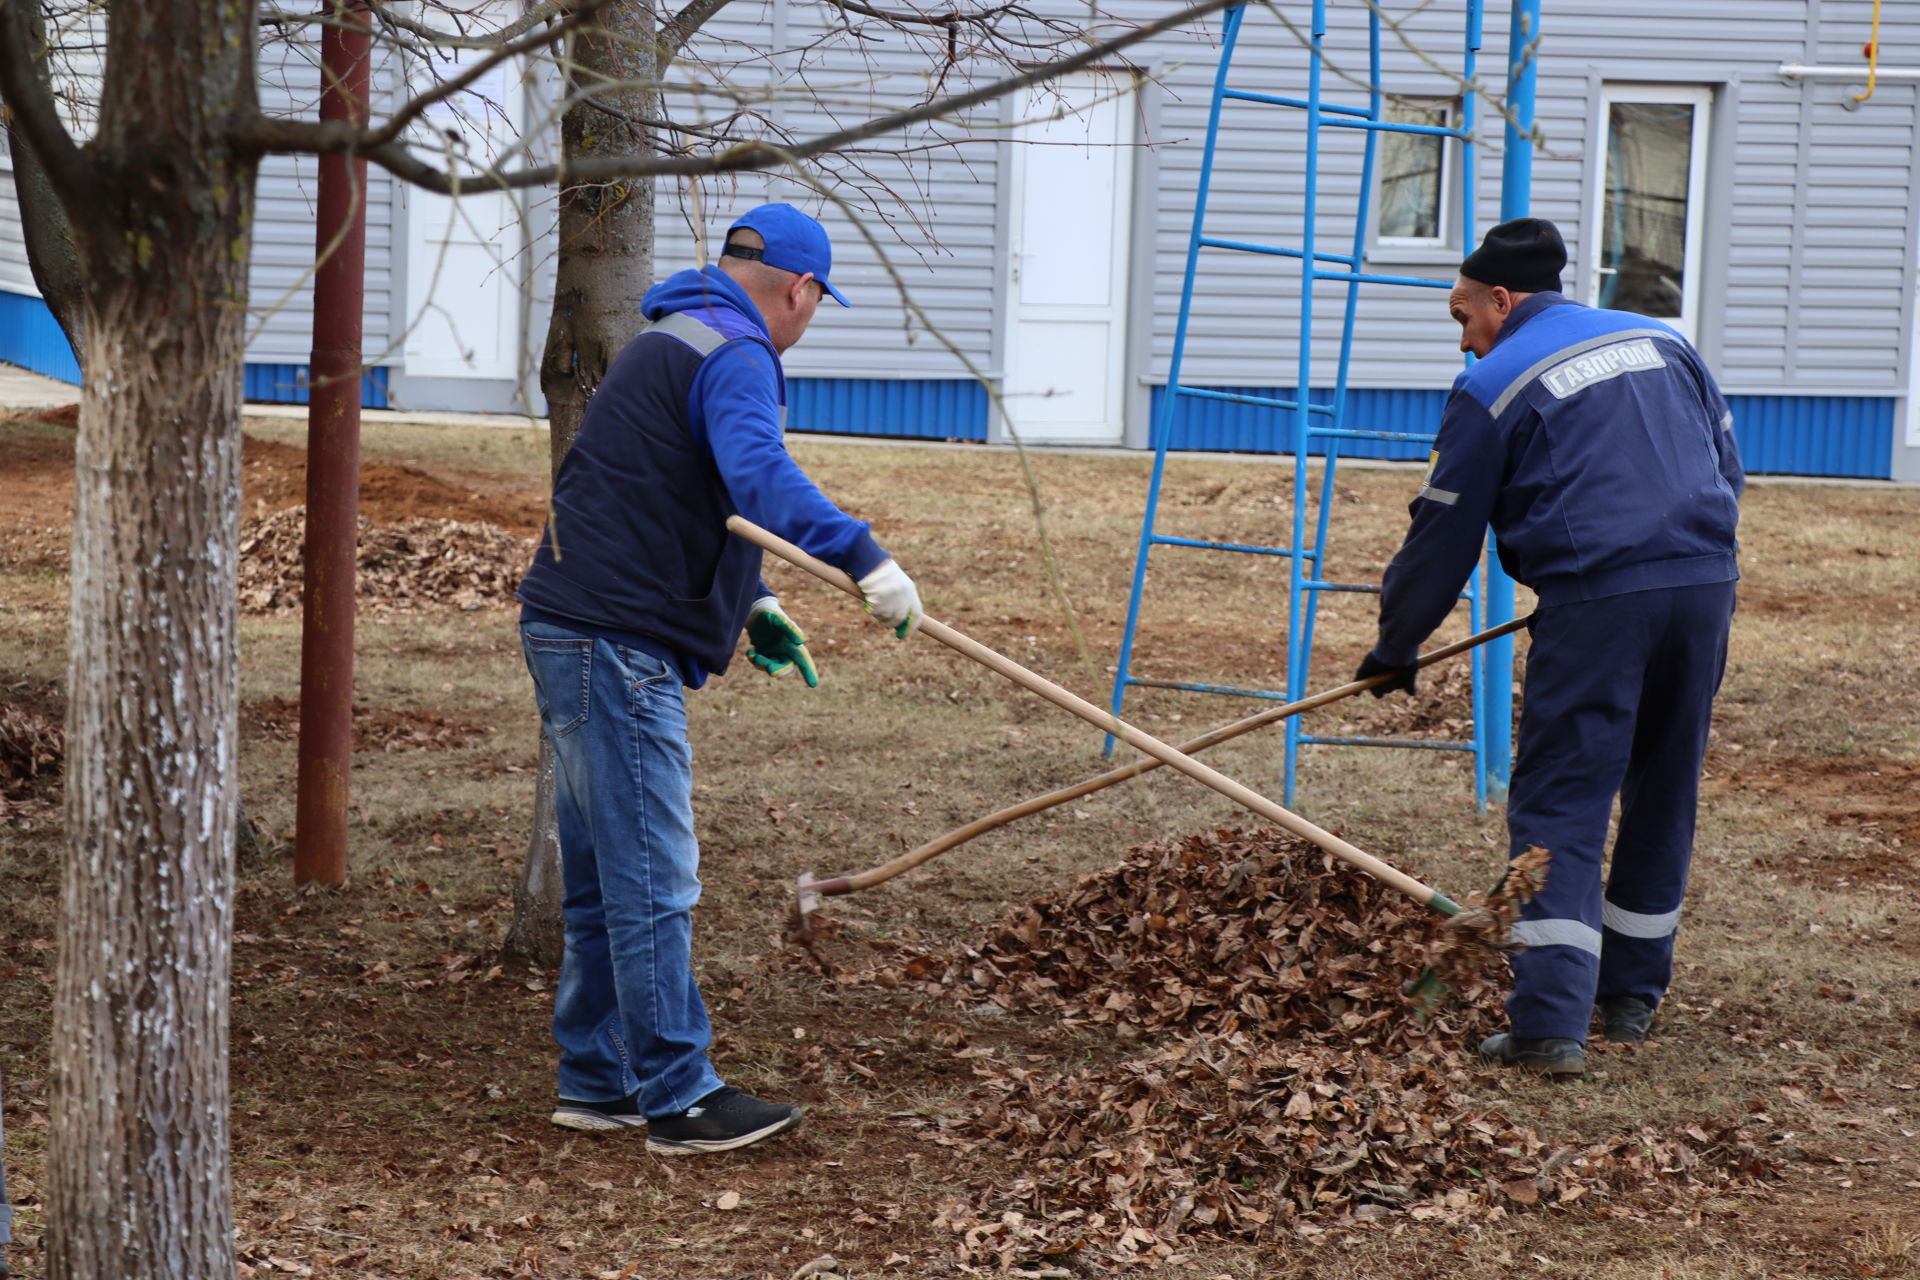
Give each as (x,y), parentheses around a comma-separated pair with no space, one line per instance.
(391,1084)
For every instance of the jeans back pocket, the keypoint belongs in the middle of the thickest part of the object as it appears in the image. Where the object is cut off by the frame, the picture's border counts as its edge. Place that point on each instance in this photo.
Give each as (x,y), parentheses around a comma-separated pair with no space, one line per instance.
(562,671)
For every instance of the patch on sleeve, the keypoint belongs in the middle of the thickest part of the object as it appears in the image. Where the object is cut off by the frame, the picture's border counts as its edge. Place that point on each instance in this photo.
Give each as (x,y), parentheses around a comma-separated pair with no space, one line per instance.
(1601,364)
(1445,497)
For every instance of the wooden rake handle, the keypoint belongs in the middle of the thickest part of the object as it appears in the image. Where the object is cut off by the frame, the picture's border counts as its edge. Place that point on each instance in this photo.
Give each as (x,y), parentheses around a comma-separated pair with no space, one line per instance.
(1110,723)
(1112,777)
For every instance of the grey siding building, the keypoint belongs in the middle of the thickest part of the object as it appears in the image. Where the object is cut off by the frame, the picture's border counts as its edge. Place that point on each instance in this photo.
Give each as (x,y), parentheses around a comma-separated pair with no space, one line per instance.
(1707,162)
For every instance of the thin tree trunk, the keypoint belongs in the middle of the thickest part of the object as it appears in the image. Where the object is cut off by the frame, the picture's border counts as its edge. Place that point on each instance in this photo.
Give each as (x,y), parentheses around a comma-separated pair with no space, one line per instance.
(138,1166)
(605,263)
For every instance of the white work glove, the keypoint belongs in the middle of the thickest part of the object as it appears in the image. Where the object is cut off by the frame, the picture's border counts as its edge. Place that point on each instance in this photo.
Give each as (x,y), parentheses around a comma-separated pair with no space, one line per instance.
(892,598)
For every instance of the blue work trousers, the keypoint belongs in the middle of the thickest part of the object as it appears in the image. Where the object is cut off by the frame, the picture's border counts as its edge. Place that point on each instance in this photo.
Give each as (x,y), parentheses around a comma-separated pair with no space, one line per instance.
(627,1013)
(1618,699)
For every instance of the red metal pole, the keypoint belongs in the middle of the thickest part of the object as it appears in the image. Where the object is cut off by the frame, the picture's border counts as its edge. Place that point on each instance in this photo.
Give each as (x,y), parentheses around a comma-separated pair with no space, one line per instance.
(333,464)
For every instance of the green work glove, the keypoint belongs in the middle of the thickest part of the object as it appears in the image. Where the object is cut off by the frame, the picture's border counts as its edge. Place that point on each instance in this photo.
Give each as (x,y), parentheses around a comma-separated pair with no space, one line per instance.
(776,645)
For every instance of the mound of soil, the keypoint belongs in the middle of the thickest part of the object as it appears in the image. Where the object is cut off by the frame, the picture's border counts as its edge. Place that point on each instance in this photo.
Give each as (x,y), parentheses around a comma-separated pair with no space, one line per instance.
(275,479)
(1280,1083)
(416,563)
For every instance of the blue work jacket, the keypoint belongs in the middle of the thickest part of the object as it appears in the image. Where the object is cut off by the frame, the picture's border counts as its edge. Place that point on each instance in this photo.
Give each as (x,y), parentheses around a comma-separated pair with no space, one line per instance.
(686,429)
(1598,447)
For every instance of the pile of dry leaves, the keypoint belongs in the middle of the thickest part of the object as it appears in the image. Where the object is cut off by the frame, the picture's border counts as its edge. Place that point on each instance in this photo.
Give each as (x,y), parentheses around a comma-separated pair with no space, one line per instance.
(417,563)
(33,751)
(1279,1084)
(1442,708)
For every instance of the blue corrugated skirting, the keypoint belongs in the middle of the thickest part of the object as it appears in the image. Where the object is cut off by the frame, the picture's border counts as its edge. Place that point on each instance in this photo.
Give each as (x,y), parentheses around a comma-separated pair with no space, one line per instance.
(1816,435)
(1778,434)
(938,409)
(1250,428)
(31,338)
(287,384)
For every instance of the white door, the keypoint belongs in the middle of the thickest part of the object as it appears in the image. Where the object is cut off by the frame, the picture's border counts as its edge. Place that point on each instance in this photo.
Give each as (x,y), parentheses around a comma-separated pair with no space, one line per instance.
(1643,254)
(465,265)
(1072,198)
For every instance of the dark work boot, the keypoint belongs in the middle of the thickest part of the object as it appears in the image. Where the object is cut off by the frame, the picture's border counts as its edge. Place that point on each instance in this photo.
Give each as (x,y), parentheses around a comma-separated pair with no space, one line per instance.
(1548,1057)
(1626,1018)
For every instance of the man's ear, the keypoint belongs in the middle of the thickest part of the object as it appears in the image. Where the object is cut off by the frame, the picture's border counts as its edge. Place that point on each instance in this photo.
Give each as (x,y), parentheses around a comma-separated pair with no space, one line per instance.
(797,291)
(1502,299)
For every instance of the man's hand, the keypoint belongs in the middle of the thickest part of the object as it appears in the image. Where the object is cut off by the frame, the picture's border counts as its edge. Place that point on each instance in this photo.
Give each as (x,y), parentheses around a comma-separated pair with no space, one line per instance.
(892,598)
(776,645)
(1403,677)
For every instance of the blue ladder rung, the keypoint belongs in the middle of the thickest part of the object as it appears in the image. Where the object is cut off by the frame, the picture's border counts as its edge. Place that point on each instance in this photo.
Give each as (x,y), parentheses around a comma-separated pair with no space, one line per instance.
(1232,691)
(1231,397)
(1368,588)
(1243,95)
(1362,433)
(1277,251)
(1418,744)
(1168,540)
(1367,277)
(1390,126)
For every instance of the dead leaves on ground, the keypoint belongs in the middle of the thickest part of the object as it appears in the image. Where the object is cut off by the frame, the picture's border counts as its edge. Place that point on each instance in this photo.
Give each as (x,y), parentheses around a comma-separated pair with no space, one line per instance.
(419,563)
(1280,1084)
(33,751)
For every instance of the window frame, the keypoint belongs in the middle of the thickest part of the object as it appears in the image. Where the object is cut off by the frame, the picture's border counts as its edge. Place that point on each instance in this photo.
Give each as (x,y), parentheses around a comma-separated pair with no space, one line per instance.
(1446,241)
(1700,98)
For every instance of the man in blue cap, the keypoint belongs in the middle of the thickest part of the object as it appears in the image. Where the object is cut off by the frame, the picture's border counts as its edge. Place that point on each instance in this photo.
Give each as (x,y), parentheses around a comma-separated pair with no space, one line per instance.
(637,590)
(1601,451)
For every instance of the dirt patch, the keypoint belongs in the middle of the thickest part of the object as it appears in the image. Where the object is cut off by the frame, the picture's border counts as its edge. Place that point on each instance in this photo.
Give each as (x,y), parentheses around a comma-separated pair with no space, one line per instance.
(417,563)
(65,415)
(36,471)
(390,492)
(1877,796)
(1283,1088)
(381,731)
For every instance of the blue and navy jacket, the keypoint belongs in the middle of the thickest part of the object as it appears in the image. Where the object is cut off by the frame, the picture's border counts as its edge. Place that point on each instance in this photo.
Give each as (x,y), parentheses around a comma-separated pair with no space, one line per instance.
(1600,450)
(684,431)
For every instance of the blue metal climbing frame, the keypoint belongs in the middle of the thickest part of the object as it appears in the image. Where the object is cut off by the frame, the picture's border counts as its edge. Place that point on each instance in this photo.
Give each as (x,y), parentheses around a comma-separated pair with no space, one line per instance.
(1323,421)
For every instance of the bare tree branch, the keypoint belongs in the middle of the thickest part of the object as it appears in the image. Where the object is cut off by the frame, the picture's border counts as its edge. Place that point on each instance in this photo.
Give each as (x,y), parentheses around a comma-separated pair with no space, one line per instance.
(535,15)
(414,108)
(30,96)
(51,255)
(752,154)
(682,26)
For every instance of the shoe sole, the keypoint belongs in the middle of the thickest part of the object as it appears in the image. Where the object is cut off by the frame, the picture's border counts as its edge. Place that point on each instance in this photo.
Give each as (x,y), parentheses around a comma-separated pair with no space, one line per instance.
(709,1146)
(594,1121)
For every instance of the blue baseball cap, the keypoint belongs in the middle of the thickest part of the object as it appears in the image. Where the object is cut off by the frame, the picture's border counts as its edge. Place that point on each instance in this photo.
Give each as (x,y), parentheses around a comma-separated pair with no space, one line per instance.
(795,242)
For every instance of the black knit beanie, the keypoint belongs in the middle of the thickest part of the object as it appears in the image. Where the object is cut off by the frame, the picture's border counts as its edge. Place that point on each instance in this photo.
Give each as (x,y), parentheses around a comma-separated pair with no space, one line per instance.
(1524,255)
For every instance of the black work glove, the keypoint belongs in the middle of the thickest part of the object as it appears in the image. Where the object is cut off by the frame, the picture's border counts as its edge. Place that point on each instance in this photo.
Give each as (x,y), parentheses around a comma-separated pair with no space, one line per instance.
(1403,677)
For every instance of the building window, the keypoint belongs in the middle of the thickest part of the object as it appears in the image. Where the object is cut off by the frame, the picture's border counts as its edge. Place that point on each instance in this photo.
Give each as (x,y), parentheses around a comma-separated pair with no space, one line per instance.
(1414,176)
(1645,250)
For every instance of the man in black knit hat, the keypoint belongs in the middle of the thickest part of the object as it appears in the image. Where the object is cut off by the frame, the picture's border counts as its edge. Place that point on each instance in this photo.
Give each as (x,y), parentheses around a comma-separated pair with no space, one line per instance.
(1601,451)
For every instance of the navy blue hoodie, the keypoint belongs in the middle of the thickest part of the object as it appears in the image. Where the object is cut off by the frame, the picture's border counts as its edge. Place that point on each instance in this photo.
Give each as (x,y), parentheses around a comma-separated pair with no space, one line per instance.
(684,431)
(1598,447)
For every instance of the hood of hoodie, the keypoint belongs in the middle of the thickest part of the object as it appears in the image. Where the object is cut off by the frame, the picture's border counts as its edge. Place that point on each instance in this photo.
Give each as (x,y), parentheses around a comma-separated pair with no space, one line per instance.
(710,295)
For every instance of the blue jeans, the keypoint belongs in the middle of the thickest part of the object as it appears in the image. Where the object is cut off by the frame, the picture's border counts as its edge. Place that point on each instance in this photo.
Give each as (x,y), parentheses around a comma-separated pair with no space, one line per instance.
(627,1013)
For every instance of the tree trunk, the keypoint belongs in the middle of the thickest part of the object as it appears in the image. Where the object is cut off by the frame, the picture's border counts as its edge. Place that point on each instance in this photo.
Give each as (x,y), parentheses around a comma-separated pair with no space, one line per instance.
(605,263)
(138,1149)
